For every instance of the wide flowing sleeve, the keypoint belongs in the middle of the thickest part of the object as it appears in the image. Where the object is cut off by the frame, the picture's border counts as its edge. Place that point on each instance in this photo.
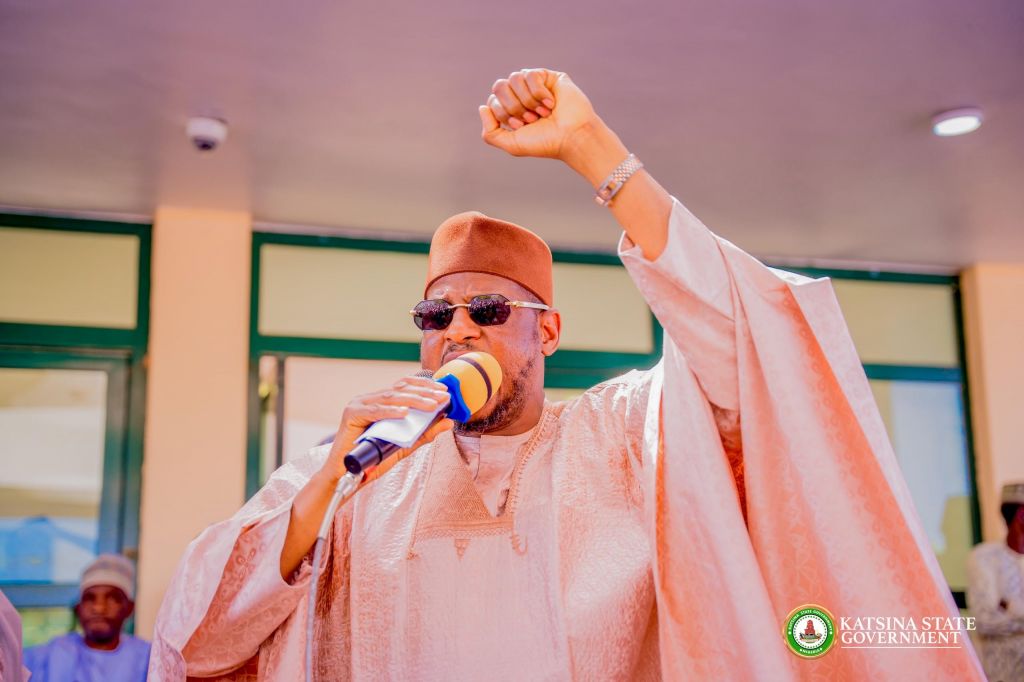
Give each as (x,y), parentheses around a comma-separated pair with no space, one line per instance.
(227,598)
(819,513)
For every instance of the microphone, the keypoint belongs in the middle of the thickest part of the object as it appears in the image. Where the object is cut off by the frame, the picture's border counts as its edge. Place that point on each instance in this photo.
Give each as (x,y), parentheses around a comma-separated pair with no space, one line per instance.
(471,380)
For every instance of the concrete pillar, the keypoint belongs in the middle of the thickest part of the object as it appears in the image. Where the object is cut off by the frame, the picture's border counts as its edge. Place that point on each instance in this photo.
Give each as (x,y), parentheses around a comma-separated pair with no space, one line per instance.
(993,300)
(194,460)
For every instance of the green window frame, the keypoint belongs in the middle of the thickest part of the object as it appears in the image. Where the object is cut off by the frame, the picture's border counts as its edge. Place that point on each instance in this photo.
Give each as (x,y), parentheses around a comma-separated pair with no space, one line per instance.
(119,352)
(567,368)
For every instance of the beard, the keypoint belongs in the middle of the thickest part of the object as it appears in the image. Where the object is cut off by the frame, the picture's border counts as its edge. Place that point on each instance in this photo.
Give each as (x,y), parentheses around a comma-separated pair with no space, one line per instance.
(508,409)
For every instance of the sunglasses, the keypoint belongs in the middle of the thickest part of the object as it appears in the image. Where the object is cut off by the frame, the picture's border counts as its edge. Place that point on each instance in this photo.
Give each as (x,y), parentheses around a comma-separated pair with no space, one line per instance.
(486,310)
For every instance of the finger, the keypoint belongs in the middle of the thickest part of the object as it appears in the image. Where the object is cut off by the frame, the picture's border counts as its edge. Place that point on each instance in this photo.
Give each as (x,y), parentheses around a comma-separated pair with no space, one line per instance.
(420,385)
(521,89)
(543,111)
(493,134)
(530,117)
(406,399)
(415,380)
(360,415)
(503,91)
(498,110)
(537,82)
(502,115)
(436,392)
(488,121)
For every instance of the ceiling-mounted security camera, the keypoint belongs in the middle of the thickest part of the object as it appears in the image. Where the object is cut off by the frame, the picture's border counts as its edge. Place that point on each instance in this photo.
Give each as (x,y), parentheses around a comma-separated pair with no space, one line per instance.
(206,133)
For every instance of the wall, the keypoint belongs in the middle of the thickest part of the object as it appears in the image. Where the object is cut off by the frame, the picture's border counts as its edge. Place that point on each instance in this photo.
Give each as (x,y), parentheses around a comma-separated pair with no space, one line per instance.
(194,467)
(993,296)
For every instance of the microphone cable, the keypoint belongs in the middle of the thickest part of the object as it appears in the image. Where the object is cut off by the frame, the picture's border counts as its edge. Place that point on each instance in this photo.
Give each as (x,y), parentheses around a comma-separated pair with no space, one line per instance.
(346,487)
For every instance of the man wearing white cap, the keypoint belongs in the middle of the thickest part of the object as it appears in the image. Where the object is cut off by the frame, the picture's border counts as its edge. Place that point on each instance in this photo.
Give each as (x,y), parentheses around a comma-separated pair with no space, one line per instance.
(995,592)
(102,652)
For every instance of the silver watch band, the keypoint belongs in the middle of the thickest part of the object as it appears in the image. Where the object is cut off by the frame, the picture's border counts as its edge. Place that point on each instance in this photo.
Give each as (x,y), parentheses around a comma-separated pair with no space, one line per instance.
(618,177)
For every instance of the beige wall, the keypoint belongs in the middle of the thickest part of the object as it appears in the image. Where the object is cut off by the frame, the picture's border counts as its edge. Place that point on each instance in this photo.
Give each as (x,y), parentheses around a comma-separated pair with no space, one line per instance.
(993,296)
(194,464)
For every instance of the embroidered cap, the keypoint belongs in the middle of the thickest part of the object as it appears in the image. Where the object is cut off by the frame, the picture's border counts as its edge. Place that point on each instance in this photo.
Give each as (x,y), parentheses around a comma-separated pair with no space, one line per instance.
(1013,493)
(110,569)
(473,242)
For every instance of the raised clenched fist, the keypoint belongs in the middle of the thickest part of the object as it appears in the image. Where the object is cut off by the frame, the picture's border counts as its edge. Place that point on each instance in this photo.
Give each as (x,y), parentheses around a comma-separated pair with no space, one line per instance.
(535,112)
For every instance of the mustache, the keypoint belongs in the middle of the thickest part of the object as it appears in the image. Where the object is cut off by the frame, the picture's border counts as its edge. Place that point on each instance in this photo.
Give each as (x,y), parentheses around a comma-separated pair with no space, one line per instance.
(457,348)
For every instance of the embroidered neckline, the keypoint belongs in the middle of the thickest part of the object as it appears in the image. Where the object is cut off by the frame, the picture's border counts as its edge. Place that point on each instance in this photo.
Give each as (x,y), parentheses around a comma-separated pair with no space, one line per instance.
(441,518)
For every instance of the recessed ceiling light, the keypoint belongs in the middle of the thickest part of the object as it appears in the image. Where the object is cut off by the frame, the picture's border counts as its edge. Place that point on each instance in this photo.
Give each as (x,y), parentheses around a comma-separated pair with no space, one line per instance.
(956,121)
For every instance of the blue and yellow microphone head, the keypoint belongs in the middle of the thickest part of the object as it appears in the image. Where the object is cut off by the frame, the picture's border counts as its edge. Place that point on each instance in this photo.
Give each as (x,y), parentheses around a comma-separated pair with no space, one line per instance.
(471,380)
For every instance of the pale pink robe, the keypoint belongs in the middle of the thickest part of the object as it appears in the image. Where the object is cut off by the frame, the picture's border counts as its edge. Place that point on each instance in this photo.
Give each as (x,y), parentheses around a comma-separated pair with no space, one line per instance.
(624,551)
(11,667)
(491,461)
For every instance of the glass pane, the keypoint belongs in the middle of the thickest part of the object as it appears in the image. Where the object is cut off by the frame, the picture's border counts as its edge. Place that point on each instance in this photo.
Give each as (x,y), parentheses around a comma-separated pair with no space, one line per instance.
(314,275)
(68,277)
(52,427)
(316,391)
(925,421)
(269,396)
(900,323)
(40,625)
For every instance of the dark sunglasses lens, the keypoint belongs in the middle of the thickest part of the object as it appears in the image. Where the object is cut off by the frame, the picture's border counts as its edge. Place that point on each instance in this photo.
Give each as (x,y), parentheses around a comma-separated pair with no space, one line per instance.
(432,315)
(487,311)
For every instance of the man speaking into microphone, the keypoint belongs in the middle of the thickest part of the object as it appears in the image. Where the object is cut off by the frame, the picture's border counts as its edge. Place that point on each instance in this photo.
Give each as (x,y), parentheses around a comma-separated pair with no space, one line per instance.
(661,525)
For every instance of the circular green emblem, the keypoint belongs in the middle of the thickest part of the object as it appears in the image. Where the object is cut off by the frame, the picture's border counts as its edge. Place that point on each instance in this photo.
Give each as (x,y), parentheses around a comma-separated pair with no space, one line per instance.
(809,631)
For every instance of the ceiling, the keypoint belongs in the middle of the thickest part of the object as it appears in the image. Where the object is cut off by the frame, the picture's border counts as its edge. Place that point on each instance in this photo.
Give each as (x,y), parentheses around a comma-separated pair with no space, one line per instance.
(795,128)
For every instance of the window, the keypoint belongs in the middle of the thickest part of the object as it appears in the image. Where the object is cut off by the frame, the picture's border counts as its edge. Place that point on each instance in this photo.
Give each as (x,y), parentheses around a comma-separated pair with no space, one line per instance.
(318,339)
(73,329)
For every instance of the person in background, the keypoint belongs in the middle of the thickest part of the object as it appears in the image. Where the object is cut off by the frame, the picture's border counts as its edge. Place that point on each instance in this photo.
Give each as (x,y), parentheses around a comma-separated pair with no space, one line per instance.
(11,668)
(995,593)
(102,652)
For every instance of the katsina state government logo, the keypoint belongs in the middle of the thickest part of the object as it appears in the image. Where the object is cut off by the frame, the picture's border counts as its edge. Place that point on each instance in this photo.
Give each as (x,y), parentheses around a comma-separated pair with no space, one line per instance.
(809,631)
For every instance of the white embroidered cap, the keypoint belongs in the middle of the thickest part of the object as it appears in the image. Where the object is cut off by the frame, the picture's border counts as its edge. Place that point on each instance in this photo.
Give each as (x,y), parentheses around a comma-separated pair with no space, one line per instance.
(110,569)
(1013,493)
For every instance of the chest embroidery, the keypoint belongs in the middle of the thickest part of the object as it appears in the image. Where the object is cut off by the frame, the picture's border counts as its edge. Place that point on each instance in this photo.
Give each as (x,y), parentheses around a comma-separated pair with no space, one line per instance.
(452,507)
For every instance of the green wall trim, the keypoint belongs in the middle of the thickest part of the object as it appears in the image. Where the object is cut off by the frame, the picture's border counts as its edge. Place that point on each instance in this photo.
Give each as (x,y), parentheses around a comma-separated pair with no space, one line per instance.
(413,245)
(38,595)
(16,333)
(912,373)
(337,348)
(40,222)
(338,242)
(871,275)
